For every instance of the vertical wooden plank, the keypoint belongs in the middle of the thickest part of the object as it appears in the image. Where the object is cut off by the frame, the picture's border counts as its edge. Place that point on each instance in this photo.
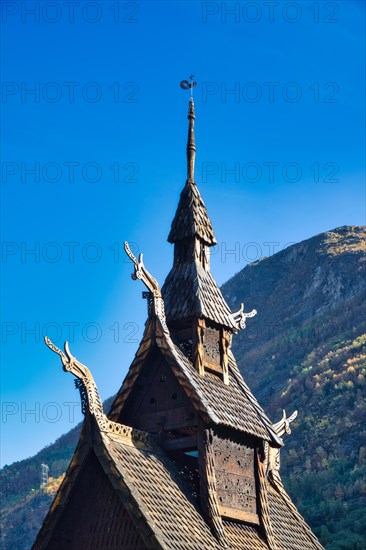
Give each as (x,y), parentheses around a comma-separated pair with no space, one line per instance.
(208,492)
(263,502)
(225,347)
(199,349)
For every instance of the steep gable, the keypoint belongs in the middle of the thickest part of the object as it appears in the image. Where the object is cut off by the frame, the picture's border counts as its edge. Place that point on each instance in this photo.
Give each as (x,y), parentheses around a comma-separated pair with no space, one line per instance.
(157,400)
(94,510)
(233,406)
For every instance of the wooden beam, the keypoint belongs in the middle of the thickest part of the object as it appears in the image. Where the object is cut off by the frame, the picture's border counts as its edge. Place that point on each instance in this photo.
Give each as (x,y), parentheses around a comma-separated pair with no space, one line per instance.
(208,491)
(239,515)
(187,443)
(198,344)
(173,419)
(212,366)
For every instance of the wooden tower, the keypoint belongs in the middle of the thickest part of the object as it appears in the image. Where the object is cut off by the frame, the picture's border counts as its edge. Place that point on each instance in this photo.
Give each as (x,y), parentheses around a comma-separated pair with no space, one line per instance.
(186,458)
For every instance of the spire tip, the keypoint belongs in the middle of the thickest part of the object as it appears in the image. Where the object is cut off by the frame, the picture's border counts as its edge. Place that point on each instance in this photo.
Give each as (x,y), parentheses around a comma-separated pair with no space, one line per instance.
(191,145)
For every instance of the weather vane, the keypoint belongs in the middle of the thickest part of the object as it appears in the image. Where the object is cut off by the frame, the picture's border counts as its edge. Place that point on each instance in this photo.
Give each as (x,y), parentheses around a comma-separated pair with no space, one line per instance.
(186,85)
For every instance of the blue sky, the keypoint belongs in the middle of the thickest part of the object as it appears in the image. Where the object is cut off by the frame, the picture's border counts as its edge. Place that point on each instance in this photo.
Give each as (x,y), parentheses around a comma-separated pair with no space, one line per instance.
(104,132)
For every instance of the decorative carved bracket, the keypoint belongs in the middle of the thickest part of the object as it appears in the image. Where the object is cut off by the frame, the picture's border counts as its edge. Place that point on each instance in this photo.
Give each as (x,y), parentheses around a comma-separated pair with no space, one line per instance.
(90,399)
(280,428)
(283,426)
(240,317)
(151,284)
(92,403)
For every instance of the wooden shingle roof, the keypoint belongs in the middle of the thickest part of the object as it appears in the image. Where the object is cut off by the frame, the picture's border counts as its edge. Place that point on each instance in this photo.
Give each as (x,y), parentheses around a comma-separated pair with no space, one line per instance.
(160,493)
(148,486)
(191,291)
(158,490)
(164,500)
(132,492)
(289,527)
(233,406)
(191,218)
(243,536)
(155,496)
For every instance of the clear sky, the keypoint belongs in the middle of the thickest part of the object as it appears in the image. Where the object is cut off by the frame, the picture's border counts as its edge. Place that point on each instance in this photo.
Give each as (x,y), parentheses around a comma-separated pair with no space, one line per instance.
(91,103)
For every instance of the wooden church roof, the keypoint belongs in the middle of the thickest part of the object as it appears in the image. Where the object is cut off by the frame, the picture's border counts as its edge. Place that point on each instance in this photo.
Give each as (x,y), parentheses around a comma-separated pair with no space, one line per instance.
(132,476)
(191,217)
(191,291)
(233,406)
(124,480)
(123,489)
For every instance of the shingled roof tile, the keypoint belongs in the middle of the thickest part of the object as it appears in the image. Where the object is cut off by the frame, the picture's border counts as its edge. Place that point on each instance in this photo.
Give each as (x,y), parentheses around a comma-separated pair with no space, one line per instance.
(191,218)
(233,405)
(289,527)
(160,493)
(190,291)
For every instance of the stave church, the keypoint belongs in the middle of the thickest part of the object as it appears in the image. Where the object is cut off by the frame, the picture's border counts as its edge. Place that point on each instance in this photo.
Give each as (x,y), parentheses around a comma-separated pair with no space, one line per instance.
(186,459)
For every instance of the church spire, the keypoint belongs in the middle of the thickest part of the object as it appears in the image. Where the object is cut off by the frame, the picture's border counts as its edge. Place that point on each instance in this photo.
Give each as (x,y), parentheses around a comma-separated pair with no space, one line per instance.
(190,291)
(191,143)
(191,218)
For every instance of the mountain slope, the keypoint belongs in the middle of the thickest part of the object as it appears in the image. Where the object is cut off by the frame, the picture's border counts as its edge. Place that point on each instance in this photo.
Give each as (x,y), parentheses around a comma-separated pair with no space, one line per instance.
(307,351)
(304,350)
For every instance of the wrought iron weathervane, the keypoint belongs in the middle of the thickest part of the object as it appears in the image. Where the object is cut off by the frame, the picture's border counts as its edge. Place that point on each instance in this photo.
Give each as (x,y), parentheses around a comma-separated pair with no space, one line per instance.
(186,85)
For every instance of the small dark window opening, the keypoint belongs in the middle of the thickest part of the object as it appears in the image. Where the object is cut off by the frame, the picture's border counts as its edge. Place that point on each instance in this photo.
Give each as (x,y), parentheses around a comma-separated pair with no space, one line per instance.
(203,255)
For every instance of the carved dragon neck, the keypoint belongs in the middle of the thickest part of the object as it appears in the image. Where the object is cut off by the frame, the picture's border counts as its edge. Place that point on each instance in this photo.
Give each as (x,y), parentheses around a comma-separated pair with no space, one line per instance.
(89,395)
(151,284)
(240,317)
(272,455)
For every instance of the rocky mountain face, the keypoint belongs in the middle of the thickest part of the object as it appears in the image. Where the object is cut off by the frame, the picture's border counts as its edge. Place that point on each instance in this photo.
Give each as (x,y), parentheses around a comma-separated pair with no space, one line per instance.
(304,294)
(305,350)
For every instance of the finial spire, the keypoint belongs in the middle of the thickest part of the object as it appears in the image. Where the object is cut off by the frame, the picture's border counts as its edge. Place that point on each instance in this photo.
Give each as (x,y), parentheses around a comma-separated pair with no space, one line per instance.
(191,144)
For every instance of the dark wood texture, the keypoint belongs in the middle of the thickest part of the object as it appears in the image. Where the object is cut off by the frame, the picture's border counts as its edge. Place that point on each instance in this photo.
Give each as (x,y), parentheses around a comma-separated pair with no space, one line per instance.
(157,401)
(235,474)
(208,484)
(95,518)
